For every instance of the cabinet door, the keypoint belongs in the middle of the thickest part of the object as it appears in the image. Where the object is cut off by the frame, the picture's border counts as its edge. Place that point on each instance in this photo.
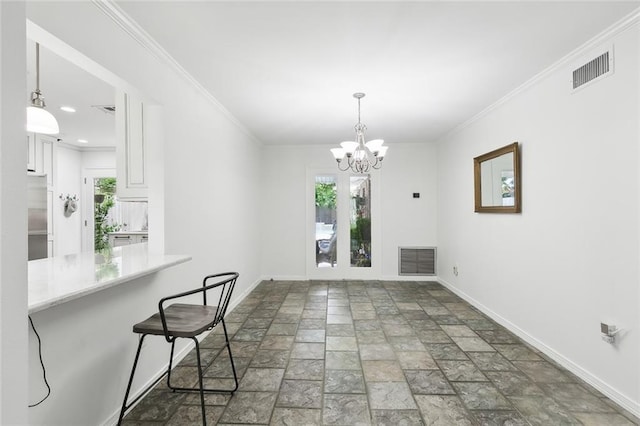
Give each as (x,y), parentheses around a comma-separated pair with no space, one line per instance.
(130,147)
(121,240)
(50,235)
(40,155)
(31,152)
(48,146)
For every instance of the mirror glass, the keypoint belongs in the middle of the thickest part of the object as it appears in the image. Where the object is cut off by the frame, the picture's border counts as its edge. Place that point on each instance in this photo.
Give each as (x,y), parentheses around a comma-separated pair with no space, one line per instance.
(497,181)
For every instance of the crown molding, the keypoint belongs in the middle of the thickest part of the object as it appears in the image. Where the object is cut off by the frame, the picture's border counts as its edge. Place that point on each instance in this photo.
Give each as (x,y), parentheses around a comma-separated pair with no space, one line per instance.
(622,25)
(144,39)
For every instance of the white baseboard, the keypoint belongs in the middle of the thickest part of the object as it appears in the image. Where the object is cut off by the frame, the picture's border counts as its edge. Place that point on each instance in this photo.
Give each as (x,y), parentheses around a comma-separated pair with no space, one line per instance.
(236,300)
(627,403)
(418,278)
(382,278)
(286,278)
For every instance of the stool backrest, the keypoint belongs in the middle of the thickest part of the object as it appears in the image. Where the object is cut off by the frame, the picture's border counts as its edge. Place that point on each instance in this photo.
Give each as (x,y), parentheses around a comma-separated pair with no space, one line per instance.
(225,280)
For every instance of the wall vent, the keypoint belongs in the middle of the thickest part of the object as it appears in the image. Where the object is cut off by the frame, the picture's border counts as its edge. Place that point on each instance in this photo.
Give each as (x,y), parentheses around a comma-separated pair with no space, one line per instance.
(416,261)
(596,68)
(109,109)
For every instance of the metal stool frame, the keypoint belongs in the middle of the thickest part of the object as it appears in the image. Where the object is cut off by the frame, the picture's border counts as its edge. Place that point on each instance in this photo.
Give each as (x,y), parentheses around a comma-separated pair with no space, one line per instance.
(157,325)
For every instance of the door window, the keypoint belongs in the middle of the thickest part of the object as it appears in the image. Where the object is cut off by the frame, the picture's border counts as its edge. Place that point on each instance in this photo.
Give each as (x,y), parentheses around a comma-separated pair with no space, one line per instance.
(360,218)
(326,235)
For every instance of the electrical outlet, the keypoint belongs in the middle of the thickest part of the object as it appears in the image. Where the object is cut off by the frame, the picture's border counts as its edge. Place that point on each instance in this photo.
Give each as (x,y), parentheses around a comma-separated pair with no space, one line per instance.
(455,270)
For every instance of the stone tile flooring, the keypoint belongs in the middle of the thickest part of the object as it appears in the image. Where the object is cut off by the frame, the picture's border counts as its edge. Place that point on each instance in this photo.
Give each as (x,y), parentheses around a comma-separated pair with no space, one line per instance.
(374,353)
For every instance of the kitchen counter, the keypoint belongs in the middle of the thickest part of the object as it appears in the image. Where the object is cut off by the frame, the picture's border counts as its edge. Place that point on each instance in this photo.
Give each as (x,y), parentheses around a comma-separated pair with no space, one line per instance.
(60,279)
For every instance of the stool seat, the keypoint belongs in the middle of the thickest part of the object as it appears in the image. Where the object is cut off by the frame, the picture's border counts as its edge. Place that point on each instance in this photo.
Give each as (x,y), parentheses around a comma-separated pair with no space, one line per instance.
(183,320)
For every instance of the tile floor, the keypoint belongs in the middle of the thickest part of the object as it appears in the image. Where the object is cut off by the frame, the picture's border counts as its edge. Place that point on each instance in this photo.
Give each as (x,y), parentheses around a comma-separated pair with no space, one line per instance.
(374,352)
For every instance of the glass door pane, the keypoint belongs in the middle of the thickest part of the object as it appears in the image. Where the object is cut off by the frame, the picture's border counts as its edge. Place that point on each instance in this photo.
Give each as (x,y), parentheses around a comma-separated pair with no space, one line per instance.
(104,198)
(326,221)
(360,217)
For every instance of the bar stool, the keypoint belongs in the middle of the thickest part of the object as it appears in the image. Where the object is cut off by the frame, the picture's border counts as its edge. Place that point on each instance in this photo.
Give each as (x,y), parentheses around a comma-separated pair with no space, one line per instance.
(181,320)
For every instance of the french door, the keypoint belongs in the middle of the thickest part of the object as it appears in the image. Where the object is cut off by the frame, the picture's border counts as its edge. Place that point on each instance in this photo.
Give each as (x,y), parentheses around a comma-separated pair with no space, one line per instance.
(343,232)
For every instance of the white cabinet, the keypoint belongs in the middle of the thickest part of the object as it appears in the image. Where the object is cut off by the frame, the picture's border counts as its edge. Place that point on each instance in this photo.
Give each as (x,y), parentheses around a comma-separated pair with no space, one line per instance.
(50,235)
(48,158)
(41,160)
(131,149)
(40,155)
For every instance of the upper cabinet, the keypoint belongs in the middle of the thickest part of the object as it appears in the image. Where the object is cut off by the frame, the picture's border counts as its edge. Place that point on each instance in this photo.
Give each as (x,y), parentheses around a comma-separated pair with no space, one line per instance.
(131,148)
(31,152)
(40,155)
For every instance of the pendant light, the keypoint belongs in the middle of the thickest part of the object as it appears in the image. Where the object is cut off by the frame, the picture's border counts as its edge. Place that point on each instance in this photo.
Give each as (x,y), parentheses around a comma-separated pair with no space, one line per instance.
(40,120)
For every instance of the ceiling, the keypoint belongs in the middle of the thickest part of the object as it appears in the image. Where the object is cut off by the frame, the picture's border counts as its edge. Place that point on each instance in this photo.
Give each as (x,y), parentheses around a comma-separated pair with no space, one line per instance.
(287,70)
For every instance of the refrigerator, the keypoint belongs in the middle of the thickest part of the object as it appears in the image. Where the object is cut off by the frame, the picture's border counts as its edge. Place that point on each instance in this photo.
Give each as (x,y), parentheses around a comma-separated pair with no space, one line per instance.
(37,211)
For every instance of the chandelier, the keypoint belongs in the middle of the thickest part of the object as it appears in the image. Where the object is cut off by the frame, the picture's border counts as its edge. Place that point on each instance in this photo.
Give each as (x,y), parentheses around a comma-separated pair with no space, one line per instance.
(360,156)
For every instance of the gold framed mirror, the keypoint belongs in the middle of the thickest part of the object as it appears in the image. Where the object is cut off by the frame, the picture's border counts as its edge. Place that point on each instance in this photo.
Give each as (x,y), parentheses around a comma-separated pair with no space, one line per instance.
(497,183)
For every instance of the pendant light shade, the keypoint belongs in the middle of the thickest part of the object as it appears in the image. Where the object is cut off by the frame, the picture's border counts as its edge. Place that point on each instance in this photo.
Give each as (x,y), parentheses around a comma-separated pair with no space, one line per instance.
(40,120)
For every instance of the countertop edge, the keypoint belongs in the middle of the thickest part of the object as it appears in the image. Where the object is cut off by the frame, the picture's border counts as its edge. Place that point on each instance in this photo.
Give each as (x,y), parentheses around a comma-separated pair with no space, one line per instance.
(169,261)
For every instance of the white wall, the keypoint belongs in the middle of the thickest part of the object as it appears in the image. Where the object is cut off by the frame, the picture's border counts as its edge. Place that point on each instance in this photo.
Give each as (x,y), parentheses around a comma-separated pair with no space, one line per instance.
(67,228)
(99,159)
(408,221)
(208,178)
(13,221)
(570,260)
(404,221)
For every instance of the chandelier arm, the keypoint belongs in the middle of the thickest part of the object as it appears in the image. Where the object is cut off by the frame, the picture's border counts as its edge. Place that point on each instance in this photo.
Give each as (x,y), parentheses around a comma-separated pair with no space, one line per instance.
(345,169)
(378,164)
(352,162)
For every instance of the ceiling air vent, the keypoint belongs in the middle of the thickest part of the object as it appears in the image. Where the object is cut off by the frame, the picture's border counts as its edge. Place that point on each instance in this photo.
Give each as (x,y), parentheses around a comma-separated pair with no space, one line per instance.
(108,109)
(416,260)
(596,68)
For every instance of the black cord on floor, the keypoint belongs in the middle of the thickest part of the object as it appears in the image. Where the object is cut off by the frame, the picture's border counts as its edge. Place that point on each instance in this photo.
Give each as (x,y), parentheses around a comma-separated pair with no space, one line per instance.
(44,371)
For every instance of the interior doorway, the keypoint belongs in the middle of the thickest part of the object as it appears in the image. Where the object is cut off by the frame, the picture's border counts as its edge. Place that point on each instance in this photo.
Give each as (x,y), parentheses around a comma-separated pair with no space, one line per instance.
(99,192)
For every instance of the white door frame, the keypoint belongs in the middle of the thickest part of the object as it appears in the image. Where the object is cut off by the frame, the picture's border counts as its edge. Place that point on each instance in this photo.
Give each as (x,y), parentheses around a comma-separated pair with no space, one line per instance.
(88,222)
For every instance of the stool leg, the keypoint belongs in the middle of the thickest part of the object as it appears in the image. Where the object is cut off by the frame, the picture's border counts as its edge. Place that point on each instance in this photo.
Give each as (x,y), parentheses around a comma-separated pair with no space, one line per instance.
(233,366)
(173,345)
(133,370)
(200,380)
